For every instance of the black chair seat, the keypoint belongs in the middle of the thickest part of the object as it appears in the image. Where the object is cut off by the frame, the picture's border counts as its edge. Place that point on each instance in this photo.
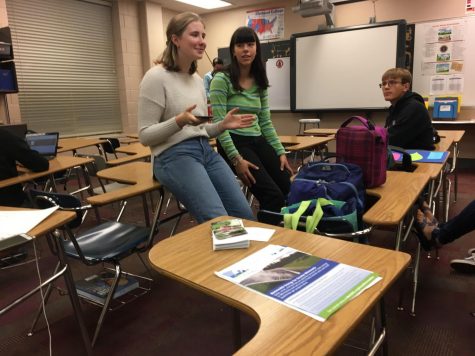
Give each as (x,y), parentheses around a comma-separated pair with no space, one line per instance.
(110,241)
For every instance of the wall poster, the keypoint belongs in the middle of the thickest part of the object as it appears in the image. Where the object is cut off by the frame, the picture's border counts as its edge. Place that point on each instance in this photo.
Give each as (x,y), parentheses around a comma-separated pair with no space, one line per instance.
(268,23)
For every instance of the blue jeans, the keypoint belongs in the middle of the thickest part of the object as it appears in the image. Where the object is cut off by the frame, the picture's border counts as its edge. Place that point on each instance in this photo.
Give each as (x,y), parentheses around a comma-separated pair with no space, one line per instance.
(200,179)
(458,226)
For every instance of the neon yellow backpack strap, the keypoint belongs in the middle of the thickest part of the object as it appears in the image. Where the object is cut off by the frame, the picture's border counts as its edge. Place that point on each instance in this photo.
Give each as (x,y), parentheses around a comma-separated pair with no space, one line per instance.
(291,221)
(313,220)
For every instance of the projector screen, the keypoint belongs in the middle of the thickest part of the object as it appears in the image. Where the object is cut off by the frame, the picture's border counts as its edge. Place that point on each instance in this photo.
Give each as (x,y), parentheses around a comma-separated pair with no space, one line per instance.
(341,68)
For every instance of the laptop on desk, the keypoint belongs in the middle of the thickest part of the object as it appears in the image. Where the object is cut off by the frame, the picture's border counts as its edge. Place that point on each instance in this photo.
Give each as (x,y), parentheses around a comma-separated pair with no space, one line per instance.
(46,144)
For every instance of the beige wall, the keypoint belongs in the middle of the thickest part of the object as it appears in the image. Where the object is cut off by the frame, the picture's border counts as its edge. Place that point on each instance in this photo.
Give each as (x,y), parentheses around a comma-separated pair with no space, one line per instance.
(139,31)
(220,26)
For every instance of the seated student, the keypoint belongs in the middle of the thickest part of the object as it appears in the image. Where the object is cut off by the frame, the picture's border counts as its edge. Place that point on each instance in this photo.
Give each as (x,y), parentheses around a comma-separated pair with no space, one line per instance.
(171,94)
(12,150)
(431,233)
(217,66)
(256,153)
(409,124)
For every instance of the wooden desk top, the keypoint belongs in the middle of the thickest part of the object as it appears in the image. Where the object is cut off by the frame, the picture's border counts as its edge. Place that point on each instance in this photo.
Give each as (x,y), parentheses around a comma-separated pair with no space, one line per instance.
(396,197)
(292,143)
(57,219)
(298,143)
(127,140)
(58,164)
(453,122)
(321,131)
(134,151)
(133,148)
(75,143)
(431,169)
(137,174)
(455,135)
(188,257)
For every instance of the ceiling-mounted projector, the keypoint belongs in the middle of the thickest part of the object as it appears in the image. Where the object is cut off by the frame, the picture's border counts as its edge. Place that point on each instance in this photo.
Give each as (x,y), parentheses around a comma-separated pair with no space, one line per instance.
(308,8)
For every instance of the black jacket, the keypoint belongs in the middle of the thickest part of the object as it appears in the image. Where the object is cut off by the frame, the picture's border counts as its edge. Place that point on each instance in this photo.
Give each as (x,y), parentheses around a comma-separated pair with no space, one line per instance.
(13,149)
(409,124)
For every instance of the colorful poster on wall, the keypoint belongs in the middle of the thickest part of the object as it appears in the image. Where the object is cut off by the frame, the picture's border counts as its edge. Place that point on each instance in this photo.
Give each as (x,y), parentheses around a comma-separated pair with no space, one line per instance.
(470,7)
(268,23)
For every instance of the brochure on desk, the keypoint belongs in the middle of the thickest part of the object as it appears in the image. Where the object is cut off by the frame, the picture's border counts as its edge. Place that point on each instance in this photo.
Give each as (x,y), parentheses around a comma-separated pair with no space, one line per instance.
(423,156)
(314,286)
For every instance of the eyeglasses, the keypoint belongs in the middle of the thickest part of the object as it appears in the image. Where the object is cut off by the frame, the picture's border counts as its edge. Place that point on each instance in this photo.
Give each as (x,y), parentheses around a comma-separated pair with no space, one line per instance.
(389,83)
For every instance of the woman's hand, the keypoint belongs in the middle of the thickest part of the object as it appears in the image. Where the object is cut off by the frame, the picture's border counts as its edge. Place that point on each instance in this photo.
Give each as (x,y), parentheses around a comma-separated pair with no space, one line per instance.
(234,121)
(187,118)
(243,171)
(284,164)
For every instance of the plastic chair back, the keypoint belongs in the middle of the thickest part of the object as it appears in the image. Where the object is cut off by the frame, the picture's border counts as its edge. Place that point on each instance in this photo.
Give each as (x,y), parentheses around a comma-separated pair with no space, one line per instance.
(44,200)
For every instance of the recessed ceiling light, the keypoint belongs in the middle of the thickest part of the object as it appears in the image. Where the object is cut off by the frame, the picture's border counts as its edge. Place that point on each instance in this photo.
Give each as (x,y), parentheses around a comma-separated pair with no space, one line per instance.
(206,4)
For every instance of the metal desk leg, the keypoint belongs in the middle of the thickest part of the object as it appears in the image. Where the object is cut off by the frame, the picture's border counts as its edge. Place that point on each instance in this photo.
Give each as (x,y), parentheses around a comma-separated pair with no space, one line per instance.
(454,169)
(397,247)
(382,339)
(68,278)
(415,279)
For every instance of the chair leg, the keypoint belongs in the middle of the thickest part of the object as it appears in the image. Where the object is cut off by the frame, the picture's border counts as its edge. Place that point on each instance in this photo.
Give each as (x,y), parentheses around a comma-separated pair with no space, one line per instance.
(455,185)
(107,302)
(167,204)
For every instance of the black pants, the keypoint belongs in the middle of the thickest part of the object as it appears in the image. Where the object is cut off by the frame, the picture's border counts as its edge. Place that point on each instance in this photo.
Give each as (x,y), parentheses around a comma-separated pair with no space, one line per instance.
(458,226)
(272,185)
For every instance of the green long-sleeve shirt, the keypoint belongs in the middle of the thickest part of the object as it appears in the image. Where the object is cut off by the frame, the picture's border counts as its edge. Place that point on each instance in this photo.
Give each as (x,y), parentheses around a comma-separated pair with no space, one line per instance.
(250,101)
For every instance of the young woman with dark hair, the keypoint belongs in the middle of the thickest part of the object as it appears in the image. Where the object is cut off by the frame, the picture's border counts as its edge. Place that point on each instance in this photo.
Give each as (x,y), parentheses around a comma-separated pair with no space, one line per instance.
(255,153)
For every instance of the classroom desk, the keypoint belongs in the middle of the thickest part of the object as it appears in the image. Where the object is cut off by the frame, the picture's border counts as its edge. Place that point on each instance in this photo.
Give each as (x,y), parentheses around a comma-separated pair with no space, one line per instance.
(457,137)
(134,151)
(56,220)
(396,199)
(58,164)
(292,143)
(188,257)
(127,140)
(321,131)
(300,143)
(75,143)
(138,175)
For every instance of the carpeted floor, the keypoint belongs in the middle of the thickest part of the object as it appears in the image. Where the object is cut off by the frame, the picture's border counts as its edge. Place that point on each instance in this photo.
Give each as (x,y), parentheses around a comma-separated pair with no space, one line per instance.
(174,319)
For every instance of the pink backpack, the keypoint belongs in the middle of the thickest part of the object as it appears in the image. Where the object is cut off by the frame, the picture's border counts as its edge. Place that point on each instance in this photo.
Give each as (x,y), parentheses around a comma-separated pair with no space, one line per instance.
(365,145)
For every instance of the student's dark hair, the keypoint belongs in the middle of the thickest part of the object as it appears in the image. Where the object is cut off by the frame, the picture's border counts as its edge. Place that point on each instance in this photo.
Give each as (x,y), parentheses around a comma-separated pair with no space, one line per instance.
(217,60)
(258,70)
(177,26)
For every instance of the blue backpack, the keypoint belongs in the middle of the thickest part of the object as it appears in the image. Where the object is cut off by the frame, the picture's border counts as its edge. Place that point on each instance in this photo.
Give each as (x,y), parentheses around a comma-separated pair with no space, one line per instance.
(333,181)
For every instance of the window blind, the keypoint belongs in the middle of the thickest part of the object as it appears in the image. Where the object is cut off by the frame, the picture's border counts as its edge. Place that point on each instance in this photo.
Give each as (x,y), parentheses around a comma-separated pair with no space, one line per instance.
(65,63)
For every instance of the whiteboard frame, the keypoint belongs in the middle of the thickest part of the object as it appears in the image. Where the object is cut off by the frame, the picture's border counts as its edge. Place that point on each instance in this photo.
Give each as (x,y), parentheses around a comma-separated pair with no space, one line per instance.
(372,74)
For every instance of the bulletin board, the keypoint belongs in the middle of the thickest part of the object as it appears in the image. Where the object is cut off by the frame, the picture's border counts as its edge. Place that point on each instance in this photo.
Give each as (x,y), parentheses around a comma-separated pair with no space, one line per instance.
(444,59)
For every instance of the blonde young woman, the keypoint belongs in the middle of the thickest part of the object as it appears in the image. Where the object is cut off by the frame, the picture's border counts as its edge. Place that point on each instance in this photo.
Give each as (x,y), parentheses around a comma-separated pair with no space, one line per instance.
(171,99)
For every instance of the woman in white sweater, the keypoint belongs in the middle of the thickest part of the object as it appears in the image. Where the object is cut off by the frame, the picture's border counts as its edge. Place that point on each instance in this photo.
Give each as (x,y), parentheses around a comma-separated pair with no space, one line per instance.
(171,99)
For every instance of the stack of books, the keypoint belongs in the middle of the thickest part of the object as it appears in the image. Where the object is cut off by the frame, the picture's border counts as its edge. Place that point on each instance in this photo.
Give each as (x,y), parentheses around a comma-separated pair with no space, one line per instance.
(96,287)
(228,234)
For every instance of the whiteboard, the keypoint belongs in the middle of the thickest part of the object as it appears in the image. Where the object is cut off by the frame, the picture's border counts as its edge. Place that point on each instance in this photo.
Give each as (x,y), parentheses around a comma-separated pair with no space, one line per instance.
(278,73)
(462,42)
(341,68)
